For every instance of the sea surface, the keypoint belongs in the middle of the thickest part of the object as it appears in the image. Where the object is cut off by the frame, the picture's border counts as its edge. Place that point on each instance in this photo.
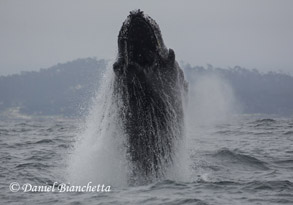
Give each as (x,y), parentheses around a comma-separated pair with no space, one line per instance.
(244,160)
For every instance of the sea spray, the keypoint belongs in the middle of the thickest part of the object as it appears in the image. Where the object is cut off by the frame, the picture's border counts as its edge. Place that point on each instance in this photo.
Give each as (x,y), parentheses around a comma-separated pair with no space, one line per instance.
(211,100)
(99,151)
(211,103)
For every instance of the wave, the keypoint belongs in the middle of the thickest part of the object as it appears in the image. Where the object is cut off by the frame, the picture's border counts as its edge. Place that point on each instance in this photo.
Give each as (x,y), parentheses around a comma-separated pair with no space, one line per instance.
(41,156)
(289,161)
(278,185)
(168,183)
(238,158)
(266,120)
(45,141)
(33,165)
(287,164)
(256,185)
(288,133)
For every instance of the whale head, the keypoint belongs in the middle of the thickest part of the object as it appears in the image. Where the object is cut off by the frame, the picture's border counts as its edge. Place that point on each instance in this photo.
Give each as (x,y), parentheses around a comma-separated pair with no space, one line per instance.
(140,42)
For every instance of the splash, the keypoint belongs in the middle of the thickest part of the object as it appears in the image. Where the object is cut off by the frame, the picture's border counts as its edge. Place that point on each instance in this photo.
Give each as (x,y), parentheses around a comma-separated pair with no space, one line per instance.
(99,151)
(211,100)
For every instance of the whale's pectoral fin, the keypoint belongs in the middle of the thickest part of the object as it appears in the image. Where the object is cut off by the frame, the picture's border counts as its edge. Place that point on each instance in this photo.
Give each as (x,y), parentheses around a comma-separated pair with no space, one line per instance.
(118,68)
(171,56)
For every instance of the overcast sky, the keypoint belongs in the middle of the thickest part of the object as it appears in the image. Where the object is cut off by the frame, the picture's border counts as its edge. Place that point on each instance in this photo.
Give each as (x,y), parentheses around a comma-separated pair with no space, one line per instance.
(37,34)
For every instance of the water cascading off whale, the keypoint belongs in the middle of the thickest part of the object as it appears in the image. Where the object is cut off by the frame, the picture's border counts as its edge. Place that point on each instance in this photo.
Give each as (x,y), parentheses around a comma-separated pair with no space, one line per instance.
(151,86)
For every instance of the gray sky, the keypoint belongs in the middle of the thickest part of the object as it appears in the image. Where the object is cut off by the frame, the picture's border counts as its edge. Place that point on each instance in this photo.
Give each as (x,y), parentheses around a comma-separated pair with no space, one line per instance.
(37,34)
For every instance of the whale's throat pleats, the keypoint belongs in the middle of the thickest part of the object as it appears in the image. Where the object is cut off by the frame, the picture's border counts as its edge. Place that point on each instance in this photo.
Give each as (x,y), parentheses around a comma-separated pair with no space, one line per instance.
(141,43)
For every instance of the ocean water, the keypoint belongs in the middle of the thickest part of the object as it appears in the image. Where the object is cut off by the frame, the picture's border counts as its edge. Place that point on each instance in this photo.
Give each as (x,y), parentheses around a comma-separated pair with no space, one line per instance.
(247,159)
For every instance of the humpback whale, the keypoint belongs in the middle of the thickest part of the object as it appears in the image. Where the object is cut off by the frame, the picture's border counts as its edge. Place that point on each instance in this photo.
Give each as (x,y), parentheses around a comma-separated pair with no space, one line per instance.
(151,86)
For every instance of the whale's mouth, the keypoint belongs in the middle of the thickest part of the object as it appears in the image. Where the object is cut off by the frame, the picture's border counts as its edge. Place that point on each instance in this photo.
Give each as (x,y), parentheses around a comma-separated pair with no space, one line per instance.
(141,42)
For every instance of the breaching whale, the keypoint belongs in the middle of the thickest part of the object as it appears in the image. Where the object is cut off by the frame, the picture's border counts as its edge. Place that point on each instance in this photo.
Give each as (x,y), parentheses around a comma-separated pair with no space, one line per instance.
(151,86)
